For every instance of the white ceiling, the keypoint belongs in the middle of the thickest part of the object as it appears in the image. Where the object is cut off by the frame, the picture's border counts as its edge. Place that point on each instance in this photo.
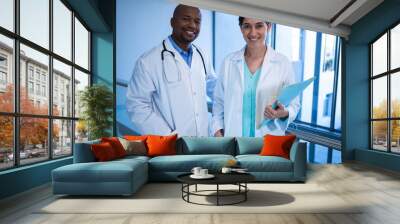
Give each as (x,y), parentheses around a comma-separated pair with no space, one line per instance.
(316,15)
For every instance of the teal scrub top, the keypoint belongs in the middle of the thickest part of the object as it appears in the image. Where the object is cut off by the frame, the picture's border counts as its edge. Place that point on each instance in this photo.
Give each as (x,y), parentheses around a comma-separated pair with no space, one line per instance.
(249,101)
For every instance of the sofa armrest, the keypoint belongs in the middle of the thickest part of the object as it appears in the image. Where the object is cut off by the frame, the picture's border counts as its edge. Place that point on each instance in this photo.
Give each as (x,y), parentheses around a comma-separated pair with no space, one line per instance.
(298,155)
(83,152)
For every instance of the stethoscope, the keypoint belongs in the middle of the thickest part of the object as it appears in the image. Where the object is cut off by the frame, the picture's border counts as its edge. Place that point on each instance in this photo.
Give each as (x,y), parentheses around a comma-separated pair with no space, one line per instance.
(170,78)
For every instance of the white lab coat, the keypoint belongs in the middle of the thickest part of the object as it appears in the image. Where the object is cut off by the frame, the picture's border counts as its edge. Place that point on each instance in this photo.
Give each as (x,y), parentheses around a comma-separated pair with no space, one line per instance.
(157,105)
(276,73)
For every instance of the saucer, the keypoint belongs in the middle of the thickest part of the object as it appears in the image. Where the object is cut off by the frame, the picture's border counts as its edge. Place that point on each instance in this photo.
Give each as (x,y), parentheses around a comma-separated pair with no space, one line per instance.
(208,176)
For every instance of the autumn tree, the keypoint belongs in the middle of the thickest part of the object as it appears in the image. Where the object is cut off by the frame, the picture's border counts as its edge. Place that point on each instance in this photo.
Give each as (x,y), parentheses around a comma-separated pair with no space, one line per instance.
(380,127)
(6,122)
(33,131)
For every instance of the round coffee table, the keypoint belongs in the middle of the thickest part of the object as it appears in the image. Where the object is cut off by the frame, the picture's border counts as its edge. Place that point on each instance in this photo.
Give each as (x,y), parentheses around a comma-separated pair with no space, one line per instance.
(238,179)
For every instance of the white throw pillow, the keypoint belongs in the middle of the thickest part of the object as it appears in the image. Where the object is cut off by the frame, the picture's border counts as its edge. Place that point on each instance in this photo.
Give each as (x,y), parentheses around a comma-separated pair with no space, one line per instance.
(137,147)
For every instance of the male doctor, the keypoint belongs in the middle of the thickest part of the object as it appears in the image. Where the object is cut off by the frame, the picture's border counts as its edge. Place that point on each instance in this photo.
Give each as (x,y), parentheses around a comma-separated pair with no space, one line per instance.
(167,91)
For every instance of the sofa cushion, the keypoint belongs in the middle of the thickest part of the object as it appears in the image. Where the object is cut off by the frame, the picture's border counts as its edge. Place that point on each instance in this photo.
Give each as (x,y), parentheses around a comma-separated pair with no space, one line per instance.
(116,145)
(185,163)
(257,163)
(135,137)
(135,147)
(206,145)
(277,145)
(249,145)
(103,152)
(83,152)
(112,171)
(161,145)
(131,158)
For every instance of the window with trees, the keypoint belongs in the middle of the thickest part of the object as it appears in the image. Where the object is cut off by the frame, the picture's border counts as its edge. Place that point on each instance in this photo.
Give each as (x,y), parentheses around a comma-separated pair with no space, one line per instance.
(44,53)
(385,96)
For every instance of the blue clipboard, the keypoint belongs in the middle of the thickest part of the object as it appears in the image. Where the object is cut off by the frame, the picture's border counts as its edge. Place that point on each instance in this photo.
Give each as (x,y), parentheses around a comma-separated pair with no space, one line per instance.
(288,94)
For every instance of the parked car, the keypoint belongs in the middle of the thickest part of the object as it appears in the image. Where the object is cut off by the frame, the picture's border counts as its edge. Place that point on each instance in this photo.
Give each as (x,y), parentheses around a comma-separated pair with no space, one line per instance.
(22,155)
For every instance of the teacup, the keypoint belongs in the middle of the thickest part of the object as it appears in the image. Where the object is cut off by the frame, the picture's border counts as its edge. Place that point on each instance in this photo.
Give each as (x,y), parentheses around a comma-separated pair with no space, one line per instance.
(203,172)
(196,170)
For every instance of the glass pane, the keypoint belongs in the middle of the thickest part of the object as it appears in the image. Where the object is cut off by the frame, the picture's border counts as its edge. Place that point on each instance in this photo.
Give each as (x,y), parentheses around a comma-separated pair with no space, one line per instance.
(34,72)
(379,135)
(308,72)
(379,56)
(338,112)
(6,74)
(395,95)
(287,42)
(395,47)
(62,141)
(35,21)
(328,45)
(321,154)
(33,139)
(6,142)
(81,81)
(62,89)
(7,14)
(336,156)
(395,136)
(326,80)
(81,131)
(62,29)
(379,98)
(81,45)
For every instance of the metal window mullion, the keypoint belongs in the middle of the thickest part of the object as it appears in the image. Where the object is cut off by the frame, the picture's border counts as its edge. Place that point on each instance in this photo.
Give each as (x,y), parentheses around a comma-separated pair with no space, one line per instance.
(115,67)
(371,91)
(389,102)
(273,36)
(311,152)
(43,50)
(73,82)
(302,58)
(317,65)
(335,83)
(90,68)
(330,155)
(16,83)
(50,81)
(214,17)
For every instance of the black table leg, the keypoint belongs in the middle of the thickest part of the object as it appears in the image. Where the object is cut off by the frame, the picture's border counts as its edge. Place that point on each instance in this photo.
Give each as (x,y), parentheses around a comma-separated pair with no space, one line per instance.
(217,194)
(245,193)
(188,190)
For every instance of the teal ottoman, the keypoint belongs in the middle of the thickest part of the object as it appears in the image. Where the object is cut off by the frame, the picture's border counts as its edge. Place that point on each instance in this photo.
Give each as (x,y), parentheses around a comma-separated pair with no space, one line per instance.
(118,177)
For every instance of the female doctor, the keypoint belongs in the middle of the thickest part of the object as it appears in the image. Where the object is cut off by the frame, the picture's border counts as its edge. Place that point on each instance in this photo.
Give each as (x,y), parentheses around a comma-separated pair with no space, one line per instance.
(248,84)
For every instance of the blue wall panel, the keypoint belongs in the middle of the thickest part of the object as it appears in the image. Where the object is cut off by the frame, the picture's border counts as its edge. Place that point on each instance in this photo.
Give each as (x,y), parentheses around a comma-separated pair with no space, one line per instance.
(24,178)
(102,58)
(356,80)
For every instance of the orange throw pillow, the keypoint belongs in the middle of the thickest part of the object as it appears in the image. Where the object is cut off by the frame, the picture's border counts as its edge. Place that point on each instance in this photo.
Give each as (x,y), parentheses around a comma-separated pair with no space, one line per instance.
(116,145)
(135,137)
(103,152)
(161,145)
(277,145)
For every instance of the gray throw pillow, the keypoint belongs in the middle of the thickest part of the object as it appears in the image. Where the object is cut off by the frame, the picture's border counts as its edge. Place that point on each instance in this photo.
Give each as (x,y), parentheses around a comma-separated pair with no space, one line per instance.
(137,147)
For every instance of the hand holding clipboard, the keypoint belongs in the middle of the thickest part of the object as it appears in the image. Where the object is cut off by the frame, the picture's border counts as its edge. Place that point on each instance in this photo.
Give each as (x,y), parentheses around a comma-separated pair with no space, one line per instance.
(288,93)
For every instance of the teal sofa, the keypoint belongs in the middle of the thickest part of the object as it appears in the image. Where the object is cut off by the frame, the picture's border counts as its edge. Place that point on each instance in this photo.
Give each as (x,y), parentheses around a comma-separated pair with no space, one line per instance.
(125,176)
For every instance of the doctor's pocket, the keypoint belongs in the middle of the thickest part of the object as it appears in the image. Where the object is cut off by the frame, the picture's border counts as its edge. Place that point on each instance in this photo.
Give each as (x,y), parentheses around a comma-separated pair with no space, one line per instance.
(171,72)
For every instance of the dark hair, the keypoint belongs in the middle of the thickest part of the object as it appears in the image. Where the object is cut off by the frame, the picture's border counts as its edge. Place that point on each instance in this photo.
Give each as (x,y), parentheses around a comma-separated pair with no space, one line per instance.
(241,18)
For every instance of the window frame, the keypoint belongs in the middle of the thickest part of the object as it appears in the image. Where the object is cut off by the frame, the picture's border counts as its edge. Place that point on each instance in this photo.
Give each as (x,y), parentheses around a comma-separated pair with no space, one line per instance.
(317,71)
(16,114)
(388,74)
